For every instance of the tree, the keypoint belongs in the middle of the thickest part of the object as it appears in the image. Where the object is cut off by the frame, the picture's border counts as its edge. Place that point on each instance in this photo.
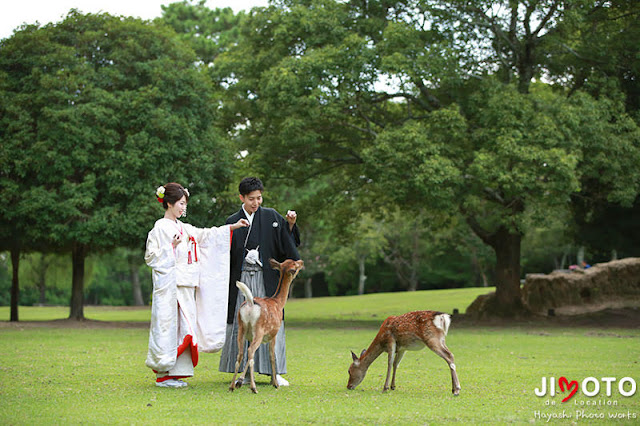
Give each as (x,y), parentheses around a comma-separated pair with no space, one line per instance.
(102,110)
(462,126)
(586,46)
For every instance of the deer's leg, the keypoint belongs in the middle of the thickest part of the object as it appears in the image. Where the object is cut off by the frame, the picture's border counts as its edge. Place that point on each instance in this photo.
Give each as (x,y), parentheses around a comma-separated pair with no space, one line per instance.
(240,380)
(272,356)
(240,343)
(255,343)
(396,362)
(455,383)
(438,346)
(392,355)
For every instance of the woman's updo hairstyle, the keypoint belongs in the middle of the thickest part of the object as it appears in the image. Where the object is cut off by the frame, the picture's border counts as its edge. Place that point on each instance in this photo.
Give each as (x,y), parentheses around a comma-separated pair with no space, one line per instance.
(173,192)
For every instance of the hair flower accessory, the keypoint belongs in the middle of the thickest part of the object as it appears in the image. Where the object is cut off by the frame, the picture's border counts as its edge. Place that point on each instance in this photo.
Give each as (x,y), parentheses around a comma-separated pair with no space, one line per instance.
(187,192)
(160,193)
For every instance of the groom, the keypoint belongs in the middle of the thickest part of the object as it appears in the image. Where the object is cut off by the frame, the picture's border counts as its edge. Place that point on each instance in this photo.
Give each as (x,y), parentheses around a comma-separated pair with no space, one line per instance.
(269,236)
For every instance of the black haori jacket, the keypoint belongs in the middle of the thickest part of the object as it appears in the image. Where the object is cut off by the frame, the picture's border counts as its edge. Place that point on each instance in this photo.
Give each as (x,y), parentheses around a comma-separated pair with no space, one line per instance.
(269,231)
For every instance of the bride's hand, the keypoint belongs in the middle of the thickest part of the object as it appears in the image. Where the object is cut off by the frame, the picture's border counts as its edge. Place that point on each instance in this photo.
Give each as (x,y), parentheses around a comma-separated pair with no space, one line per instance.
(242,223)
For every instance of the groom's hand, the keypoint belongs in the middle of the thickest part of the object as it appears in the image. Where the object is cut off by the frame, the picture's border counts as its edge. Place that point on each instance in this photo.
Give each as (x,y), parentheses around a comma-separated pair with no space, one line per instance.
(291,218)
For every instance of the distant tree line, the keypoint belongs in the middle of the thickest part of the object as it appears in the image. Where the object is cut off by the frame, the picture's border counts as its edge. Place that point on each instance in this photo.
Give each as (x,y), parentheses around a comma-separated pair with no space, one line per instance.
(425,144)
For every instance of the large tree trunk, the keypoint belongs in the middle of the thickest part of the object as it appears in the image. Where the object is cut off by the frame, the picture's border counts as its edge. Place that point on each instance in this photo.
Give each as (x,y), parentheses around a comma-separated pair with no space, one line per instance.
(15,283)
(78,255)
(508,301)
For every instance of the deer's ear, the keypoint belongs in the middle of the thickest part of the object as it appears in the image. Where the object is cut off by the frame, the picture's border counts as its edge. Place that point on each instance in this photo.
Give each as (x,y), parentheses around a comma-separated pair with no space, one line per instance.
(354,356)
(362,353)
(274,264)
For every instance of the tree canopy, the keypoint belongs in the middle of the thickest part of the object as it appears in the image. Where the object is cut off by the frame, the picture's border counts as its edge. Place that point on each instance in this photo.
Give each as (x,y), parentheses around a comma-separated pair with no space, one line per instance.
(377,118)
(430,104)
(98,111)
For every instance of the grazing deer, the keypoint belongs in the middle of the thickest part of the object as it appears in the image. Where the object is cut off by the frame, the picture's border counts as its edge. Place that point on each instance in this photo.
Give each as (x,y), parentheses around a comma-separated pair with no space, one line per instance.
(409,332)
(259,320)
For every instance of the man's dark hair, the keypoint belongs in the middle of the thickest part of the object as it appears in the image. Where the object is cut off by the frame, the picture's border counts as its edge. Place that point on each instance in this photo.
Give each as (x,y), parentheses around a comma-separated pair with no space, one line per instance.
(250,184)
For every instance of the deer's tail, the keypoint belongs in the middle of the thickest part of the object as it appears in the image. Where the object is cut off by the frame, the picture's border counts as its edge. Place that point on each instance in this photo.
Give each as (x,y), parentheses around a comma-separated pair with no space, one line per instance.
(247,293)
(442,321)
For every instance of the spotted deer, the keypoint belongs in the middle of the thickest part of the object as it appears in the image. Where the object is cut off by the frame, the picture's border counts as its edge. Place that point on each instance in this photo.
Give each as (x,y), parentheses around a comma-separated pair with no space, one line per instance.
(398,334)
(259,320)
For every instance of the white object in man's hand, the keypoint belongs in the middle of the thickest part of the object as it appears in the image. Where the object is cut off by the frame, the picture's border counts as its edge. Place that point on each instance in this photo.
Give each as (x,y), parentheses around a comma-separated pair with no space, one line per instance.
(291,217)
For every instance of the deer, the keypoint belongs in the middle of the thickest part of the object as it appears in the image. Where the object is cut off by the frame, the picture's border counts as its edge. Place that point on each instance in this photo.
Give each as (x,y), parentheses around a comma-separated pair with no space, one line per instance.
(398,334)
(259,320)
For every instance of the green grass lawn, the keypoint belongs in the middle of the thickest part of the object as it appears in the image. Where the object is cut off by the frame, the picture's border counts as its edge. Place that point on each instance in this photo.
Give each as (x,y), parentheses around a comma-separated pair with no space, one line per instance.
(55,374)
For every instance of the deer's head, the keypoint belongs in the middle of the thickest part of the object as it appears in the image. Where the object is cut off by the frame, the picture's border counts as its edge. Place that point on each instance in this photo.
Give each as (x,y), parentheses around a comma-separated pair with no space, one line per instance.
(289,266)
(357,371)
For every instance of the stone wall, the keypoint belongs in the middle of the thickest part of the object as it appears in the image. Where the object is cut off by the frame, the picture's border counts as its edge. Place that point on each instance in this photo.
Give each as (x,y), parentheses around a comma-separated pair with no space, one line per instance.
(614,284)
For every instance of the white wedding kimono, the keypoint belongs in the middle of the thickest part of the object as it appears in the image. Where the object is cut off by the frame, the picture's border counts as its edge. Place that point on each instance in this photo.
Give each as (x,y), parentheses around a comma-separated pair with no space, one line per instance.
(190,291)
